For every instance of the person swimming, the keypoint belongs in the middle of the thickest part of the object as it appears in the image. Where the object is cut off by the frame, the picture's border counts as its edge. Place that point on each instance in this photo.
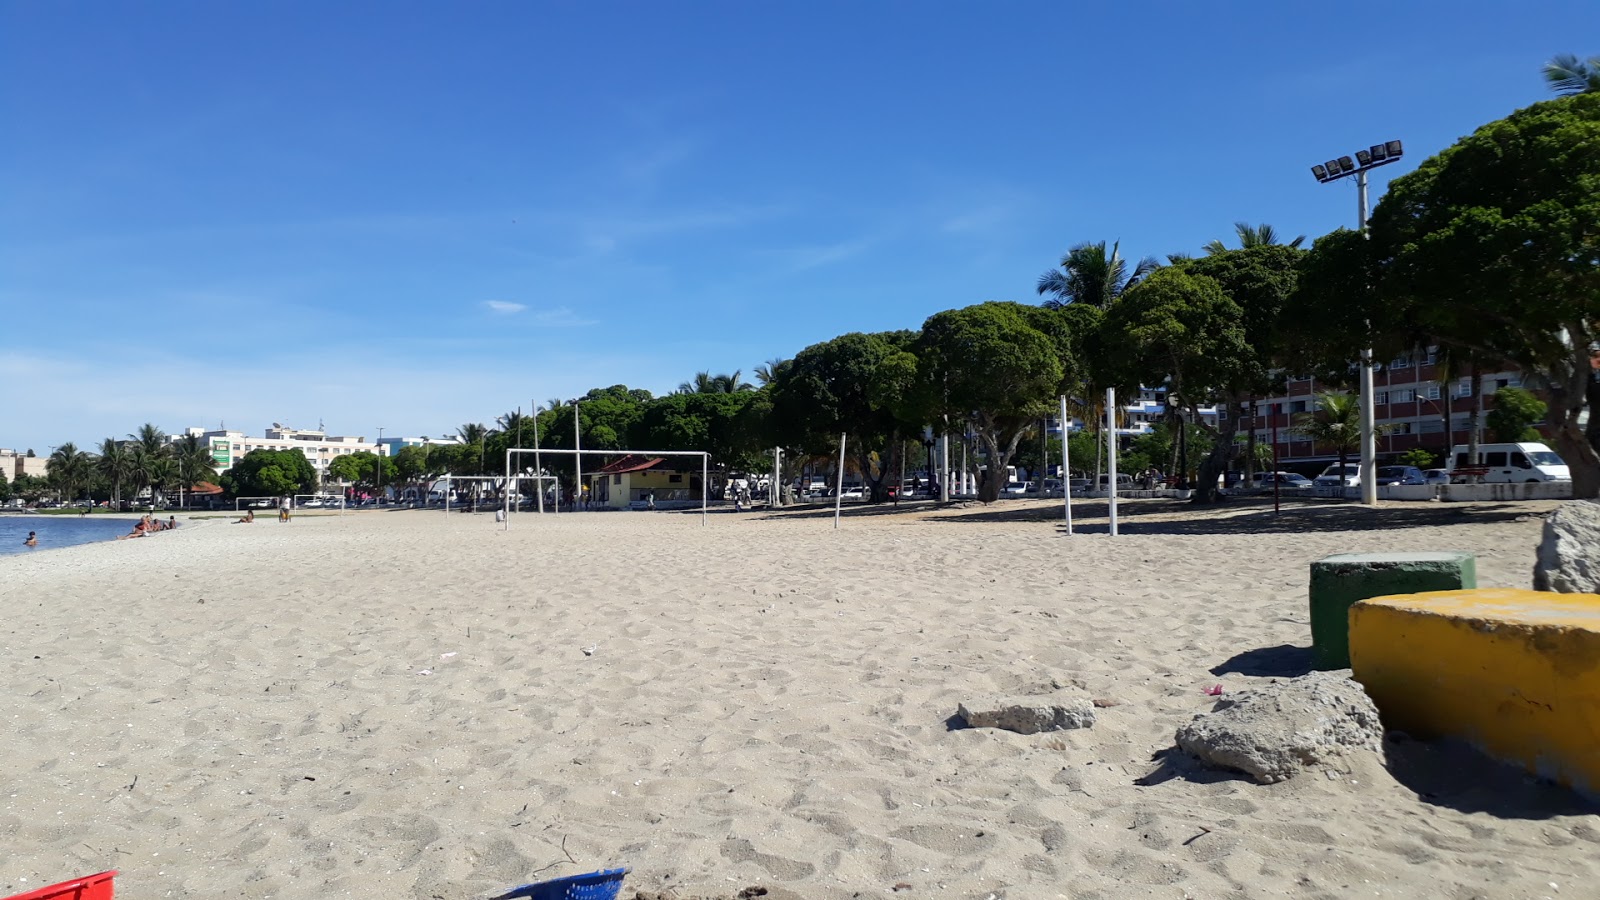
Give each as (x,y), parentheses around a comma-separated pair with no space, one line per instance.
(32,541)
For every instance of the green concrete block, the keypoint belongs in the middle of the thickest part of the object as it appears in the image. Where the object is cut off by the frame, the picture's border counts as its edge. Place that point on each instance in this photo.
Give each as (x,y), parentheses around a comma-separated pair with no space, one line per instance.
(1343,579)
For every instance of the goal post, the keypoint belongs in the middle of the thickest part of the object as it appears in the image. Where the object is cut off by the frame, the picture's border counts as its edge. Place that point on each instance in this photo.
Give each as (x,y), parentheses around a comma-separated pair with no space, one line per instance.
(704,457)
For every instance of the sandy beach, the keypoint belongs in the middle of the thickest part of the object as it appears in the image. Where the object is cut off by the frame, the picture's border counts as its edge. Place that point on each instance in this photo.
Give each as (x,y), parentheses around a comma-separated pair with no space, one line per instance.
(400,704)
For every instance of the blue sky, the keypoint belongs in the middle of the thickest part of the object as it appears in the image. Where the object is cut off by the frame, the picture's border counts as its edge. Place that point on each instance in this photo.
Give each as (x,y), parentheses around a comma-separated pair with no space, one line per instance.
(418,215)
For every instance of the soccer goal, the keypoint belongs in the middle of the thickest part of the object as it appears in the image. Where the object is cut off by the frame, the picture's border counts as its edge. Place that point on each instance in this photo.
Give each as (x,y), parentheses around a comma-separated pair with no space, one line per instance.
(578,455)
(272,502)
(495,482)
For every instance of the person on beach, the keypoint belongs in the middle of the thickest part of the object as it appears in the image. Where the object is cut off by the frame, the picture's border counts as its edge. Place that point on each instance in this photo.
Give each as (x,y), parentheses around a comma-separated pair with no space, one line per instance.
(283,510)
(249,516)
(172,522)
(32,541)
(140,528)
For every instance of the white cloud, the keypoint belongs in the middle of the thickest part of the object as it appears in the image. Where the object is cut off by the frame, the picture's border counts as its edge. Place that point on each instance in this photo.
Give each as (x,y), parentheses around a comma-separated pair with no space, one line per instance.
(504,307)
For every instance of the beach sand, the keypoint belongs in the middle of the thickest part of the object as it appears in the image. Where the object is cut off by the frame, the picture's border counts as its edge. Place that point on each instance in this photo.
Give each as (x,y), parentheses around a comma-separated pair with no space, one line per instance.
(399,704)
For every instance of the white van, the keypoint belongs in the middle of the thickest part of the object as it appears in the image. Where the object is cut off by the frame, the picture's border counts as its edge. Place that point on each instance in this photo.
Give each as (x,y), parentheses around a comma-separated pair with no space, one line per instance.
(1519,462)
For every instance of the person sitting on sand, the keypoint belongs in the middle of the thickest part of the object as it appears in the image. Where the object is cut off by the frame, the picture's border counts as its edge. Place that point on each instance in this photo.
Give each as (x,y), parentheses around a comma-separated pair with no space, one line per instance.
(32,541)
(172,522)
(249,516)
(139,530)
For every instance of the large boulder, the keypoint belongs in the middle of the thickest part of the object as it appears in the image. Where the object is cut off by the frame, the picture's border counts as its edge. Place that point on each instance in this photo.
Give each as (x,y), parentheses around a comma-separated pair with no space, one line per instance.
(1030,715)
(1276,731)
(1569,554)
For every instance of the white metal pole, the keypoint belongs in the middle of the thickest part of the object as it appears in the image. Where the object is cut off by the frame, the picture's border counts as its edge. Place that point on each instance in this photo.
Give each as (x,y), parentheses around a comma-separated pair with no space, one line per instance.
(838,485)
(577,458)
(705,486)
(447,495)
(1369,448)
(777,468)
(1066,471)
(1111,453)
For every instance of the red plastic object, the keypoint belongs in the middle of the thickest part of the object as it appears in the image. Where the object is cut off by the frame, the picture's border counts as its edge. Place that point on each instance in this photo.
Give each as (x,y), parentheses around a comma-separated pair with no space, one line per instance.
(93,887)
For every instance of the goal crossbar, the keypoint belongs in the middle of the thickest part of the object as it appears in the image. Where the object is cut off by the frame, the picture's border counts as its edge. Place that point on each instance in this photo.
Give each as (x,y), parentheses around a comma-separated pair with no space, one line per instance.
(705,466)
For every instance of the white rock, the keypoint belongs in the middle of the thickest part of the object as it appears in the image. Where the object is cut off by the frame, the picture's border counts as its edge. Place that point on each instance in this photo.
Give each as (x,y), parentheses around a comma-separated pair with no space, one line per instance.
(1278,730)
(1030,715)
(1569,554)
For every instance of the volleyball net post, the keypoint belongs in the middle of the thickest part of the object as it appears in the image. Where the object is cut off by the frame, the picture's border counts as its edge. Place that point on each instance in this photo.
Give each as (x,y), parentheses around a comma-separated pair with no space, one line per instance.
(705,468)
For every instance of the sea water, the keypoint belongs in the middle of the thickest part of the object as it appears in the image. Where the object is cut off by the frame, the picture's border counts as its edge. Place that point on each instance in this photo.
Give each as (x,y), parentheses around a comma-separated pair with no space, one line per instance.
(58,531)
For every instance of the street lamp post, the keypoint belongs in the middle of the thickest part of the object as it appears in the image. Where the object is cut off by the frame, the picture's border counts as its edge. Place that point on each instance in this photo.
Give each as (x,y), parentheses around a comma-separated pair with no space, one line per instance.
(1333,170)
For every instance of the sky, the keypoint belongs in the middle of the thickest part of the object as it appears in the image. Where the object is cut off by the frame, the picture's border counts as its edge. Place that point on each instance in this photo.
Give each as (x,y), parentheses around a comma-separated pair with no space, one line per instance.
(417,215)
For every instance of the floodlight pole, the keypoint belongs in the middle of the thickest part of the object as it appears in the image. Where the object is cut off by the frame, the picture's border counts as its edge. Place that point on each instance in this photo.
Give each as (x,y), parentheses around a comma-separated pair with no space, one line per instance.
(1111,455)
(1369,441)
(1333,170)
(838,485)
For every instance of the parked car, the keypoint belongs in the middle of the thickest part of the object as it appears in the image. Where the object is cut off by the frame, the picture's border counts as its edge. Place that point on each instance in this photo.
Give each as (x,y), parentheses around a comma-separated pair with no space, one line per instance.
(1018,489)
(1524,461)
(1400,475)
(1079,485)
(261,504)
(1284,481)
(1124,482)
(1348,475)
(1436,476)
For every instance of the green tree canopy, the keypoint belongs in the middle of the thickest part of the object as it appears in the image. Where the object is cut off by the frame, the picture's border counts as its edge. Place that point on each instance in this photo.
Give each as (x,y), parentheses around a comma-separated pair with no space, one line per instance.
(1494,246)
(362,469)
(1515,413)
(270,473)
(990,367)
(1181,329)
(857,384)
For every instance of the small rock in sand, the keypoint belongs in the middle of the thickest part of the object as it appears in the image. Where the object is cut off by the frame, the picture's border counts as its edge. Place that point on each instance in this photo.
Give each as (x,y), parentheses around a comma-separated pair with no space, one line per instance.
(1030,715)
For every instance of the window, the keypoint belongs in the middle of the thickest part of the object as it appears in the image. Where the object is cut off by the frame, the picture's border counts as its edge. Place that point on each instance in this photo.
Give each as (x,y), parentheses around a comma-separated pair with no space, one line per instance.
(1433,355)
(1430,426)
(1519,461)
(1495,460)
(1404,395)
(616,479)
(1433,392)
(1380,398)
(1298,406)
(1400,428)
(1462,388)
(1400,362)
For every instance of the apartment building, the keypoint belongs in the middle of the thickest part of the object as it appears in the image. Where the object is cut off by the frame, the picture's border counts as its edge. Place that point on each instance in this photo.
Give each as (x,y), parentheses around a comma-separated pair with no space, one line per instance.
(14,463)
(1411,404)
(228,447)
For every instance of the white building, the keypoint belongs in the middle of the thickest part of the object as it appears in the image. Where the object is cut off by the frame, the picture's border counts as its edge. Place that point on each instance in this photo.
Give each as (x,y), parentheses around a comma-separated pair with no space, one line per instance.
(393,445)
(228,447)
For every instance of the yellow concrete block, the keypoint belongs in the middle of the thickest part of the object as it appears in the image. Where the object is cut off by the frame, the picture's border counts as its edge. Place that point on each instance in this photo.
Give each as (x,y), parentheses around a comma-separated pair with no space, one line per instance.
(1515,673)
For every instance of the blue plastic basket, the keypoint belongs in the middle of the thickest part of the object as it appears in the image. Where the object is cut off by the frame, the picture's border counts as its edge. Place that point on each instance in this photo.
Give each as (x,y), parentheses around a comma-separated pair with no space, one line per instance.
(602,885)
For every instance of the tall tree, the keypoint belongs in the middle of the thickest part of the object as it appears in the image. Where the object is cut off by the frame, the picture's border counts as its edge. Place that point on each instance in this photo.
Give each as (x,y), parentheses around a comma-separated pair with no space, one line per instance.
(1567,74)
(1515,413)
(1089,273)
(1251,236)
(114,465)
(990,367)
(69,469)
(1182,330)
(767,372)
(148,449)
(194,461)
(1492,246)
(857,384)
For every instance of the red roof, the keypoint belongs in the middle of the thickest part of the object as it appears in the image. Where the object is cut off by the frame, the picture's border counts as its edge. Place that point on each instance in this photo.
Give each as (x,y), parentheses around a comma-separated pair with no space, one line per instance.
(205,487)
(630,464)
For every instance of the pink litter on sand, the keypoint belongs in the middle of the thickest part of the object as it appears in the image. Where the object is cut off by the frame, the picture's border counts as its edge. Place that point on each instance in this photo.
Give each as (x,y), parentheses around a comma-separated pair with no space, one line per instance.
(1214,691)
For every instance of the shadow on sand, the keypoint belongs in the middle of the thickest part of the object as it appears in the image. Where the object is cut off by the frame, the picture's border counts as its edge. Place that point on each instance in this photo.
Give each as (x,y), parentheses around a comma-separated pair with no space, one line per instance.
(1173,517)
(1282,661)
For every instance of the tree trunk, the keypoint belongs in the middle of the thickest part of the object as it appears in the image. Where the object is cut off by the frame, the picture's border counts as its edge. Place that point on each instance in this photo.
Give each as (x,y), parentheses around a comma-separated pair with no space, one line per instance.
(1211,468)
(1475,417)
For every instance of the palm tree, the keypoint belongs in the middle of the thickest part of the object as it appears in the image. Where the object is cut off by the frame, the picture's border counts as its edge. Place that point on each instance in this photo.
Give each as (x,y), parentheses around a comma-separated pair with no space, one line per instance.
(149,448)
(707,383)
(768,372)
(1090,274)
(1253,236)
(475,434)
(163,476)
(113,465)
(1568,75)
(1338,427)
(194,461)
(70,469)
